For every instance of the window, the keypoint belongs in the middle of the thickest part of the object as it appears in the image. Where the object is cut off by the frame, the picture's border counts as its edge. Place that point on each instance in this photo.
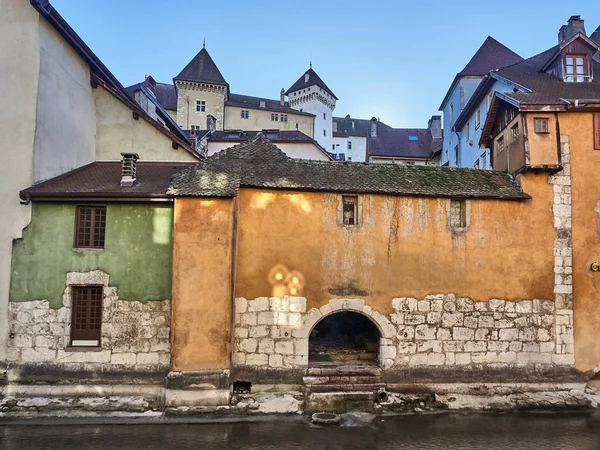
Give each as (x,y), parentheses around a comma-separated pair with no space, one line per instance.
(467,132)
(458,214)
(413,137)
(333,147)
(515,132)
(349,145)
(483,158)
(456,155)
(500,145)
(477,119)
(350,209)
(275,117)
(324,116)
(245,114)
(575,68)
(90,226)
(451,112)
(489,100)
(284,118)
(324,132)
(540,125)
(194,127)
(476,164)
(349,158)
(200,106)
(86,317)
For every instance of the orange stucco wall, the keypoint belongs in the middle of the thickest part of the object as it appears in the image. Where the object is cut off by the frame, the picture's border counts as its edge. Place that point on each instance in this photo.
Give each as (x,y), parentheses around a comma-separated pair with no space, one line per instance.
(585,164)
(543,147)
(202,273)
(402,248)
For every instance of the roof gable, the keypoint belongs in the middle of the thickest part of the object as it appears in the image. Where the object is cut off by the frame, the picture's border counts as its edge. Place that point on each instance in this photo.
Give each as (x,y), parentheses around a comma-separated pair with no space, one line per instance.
(310,78)
(492,55)
(202,69)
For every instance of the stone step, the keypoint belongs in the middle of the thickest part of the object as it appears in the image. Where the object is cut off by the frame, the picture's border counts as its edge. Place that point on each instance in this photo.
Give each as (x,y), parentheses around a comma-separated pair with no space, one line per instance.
(341,379)
(353,388)
(339,402)
(344,370)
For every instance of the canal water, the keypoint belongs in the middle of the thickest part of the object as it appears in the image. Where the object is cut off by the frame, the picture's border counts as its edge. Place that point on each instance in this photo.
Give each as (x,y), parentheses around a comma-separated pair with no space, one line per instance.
(447,431)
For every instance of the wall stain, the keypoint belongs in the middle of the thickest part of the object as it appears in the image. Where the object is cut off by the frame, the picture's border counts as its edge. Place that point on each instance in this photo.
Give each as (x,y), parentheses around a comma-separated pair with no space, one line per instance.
(347,291)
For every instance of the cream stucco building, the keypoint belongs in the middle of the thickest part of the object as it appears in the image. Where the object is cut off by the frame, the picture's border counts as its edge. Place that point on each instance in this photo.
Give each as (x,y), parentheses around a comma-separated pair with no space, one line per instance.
(62,109)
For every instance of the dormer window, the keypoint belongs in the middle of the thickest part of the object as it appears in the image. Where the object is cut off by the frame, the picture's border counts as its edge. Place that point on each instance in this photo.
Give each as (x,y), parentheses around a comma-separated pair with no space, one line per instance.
(576,69)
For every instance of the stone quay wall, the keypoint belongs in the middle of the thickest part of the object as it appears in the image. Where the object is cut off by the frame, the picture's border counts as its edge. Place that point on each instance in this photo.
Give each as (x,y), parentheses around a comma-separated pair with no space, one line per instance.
(439,330)
(134,335)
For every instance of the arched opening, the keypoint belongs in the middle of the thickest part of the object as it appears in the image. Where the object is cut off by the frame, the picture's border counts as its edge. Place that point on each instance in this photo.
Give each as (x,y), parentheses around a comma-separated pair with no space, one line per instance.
(344,337)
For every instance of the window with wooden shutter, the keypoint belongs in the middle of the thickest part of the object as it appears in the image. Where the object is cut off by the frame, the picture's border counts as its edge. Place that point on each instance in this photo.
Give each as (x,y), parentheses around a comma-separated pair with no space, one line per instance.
(597,131)
(86,318)
(90,226)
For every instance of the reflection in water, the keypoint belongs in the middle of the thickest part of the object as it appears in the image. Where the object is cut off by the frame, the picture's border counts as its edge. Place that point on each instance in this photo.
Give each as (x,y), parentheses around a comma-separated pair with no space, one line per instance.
(452,431)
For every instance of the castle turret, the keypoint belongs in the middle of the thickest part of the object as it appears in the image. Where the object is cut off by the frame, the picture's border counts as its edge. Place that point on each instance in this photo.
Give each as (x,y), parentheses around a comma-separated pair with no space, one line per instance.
(310,94)
(201,91)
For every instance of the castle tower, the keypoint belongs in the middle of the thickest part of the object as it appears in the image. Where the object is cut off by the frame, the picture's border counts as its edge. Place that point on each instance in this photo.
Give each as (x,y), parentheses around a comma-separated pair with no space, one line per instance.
(310,94)
(201,92)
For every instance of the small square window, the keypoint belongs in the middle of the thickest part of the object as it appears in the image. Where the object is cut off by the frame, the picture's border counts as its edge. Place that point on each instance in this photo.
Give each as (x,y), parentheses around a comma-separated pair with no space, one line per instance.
(200,105)
(349,145)
(500,144)
(350,209)
(515,132)
(458,214)
(86,320)
(245,114)
(284,118)
(90,226)
(540,125)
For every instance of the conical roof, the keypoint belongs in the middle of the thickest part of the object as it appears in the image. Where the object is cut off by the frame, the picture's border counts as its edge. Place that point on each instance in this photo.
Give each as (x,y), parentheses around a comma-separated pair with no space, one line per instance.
(203,69)
(310,78)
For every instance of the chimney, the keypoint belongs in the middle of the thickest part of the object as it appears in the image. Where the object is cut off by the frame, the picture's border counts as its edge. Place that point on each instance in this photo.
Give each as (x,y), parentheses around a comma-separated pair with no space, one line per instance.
(129,169)
(150,84)
(574,25)
(435,126)
(211,123)
(282,97)
(347,116)
(373,127)
(561,33)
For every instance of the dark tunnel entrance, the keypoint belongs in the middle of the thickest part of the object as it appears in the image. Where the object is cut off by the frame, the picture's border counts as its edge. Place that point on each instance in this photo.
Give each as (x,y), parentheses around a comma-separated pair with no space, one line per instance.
(344,337)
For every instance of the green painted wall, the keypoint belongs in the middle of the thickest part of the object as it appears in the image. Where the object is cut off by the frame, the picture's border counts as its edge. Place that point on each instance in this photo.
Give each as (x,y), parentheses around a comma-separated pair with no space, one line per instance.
(137,255)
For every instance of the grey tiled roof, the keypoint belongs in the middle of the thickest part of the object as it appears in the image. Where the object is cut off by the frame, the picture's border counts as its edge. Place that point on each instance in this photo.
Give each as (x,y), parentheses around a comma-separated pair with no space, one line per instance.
(395,143)
(247,101)
(261,164)
(349,126)
(313,79)
(545,88)
(202,68)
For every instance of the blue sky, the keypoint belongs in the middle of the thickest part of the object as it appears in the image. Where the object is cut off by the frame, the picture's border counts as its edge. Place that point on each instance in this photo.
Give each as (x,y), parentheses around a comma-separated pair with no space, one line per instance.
(392,59)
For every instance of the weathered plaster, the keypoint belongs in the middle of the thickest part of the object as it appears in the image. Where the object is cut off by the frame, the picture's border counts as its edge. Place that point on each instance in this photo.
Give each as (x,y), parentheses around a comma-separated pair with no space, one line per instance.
(133,334)
(137,253)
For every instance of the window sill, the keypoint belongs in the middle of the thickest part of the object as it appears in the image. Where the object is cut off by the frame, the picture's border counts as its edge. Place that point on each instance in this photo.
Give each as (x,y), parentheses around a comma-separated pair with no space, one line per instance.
(71,348)
(88,249)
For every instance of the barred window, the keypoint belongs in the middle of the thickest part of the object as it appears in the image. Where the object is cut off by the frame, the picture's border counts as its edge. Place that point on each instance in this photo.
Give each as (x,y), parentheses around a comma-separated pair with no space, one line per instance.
(90,226)
(86,318)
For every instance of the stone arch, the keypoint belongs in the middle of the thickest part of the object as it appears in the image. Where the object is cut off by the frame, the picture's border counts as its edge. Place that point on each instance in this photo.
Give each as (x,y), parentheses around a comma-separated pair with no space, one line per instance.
(387,350)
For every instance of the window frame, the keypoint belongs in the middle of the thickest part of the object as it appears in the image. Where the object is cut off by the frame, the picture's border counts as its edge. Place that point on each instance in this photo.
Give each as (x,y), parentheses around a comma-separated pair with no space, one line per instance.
(500,144)
(515,132)
(355,218)
(91,336)
(539,120)
(245,114)
(467,132)
(349,145)
(478,119)
(200,104)
(575,75)
(91,239)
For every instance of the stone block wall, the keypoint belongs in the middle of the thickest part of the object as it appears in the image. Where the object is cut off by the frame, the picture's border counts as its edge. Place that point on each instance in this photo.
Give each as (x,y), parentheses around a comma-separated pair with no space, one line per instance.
(439,330)
(134,335)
